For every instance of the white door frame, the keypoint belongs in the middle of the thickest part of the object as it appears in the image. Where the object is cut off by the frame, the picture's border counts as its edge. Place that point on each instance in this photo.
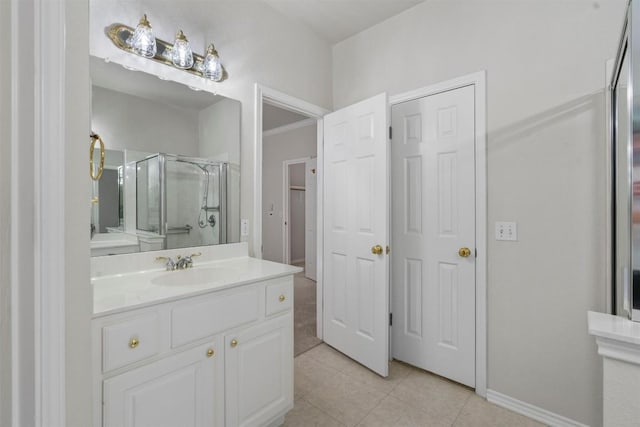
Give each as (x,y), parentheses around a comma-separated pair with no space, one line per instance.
(479,81)
(288,102)
(286,247)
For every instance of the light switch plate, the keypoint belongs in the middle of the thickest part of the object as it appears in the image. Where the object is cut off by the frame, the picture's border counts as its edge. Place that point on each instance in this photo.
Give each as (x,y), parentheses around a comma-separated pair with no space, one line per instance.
(244,227)
(506,231)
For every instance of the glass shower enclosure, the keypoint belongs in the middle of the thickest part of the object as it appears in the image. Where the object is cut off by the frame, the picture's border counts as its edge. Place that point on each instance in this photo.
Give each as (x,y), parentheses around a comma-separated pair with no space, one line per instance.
(183,199)
(624,91)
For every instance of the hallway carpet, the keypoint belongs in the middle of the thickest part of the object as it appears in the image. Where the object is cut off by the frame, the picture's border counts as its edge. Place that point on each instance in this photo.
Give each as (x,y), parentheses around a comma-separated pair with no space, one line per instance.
(304,317)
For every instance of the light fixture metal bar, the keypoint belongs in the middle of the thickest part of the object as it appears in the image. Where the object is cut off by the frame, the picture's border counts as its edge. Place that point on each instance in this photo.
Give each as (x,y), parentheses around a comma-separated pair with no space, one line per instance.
(120,33)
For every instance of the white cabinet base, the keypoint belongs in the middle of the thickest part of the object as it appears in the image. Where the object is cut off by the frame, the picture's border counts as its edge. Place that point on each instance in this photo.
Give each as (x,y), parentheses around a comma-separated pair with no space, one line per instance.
(220,359)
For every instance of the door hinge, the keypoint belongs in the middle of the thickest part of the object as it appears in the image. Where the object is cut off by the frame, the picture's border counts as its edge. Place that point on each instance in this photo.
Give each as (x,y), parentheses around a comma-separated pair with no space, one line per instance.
(388,250)
(390,319)
(390,133)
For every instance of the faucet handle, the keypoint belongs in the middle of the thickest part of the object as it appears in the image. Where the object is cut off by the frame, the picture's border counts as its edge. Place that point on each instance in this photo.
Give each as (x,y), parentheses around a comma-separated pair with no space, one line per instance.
(170,264)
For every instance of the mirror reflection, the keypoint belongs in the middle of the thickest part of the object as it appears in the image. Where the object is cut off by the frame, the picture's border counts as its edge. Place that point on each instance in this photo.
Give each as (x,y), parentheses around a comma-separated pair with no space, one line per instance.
(171,175)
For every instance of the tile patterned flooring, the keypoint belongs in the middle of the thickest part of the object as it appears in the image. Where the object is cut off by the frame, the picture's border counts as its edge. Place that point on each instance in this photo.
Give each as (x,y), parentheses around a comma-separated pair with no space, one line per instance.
(333,390)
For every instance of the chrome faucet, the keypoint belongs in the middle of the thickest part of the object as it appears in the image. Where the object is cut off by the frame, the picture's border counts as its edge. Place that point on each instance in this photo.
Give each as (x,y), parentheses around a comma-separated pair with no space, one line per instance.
(181,262)
(184,262)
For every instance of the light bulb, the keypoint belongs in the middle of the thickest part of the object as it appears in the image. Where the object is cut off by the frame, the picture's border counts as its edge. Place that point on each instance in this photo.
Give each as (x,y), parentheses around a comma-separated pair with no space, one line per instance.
(181,54)
(142,41)
(211,66)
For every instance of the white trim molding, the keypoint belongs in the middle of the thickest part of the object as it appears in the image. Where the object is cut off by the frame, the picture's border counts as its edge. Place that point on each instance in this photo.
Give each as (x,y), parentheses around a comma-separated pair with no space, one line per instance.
(546,417)
(38,202)
(478,80)
(50,135)
(287,102)
(291,126)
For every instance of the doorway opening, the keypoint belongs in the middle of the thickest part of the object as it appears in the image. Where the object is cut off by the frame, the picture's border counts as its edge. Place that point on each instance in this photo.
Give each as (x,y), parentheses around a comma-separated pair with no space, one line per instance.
(289,214)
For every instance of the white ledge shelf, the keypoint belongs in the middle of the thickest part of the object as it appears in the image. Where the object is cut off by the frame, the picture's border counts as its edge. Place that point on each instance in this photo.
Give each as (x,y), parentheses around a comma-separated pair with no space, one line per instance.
(617,337)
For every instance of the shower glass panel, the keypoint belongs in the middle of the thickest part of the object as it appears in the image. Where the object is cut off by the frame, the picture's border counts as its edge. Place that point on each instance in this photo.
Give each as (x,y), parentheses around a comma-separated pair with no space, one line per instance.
(625,147)
(186,199)
(148,203)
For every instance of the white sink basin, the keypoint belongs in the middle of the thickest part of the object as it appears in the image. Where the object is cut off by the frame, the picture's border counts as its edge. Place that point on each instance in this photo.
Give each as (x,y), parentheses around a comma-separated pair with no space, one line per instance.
(196,276)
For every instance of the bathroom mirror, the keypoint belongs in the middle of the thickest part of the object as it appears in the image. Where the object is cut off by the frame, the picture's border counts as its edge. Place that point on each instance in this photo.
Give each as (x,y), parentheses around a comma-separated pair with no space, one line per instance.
(625,156)
(171,176)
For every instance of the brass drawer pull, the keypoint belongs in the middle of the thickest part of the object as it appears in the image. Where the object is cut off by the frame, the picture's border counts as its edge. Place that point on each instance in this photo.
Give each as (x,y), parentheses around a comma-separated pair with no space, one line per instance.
(234,343)
(210,352)
(281,298)
(133,343)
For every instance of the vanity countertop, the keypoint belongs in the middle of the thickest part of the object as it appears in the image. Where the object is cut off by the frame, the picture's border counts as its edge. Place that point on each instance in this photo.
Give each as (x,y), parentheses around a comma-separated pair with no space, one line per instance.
(114,293)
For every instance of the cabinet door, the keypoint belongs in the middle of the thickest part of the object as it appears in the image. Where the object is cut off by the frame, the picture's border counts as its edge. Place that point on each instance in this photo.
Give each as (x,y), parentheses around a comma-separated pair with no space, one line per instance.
(259,372)
(180,390)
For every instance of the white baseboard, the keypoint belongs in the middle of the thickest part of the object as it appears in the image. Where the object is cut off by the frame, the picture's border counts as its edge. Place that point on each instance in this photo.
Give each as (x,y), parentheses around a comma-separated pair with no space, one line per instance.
(531,411)
(297,261)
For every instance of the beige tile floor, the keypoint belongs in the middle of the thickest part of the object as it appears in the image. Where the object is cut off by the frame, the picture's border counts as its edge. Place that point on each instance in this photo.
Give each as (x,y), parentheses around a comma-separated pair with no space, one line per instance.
(304,316)
(333,390)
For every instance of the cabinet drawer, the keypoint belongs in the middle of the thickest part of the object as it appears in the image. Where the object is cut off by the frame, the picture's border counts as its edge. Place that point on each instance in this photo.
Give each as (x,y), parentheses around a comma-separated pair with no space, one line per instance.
(279,297)
(130,341)
(209,315)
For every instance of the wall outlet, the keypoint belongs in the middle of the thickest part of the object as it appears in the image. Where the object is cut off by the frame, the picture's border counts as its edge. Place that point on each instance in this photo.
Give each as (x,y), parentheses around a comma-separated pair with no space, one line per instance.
(506,231)
(244,227)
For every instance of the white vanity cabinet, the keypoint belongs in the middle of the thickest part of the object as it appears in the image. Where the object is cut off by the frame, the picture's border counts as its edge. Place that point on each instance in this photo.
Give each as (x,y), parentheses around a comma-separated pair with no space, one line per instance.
(219,358)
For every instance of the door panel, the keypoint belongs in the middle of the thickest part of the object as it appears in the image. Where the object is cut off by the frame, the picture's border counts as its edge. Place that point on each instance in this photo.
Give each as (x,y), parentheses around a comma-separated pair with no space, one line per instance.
(356,292)
(433,162)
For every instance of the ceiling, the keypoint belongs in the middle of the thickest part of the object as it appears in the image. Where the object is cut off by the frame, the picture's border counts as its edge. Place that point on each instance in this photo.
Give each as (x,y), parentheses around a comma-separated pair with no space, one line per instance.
(336,20)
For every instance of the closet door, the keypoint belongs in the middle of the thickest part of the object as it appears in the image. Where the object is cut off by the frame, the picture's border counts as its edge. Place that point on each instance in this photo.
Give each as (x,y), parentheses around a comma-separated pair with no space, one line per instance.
(433,210)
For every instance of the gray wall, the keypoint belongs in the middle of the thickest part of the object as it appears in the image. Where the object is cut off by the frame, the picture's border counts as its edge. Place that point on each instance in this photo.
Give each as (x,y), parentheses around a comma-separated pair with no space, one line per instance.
(5,221)
(545,65)
(276,149)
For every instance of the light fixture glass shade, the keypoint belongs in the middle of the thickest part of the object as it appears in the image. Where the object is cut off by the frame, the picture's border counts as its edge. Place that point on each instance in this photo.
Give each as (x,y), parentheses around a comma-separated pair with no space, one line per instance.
(211,66)
(142,41)
(181,54)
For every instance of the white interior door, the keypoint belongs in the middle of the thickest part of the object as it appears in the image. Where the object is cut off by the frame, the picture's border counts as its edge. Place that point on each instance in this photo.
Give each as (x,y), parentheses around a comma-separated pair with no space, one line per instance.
(311,204)
(356,281)
(433,211)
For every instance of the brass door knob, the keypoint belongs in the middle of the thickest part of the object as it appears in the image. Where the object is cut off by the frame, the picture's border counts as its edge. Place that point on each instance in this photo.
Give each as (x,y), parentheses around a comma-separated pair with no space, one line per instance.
(133,343)
(282,298)
(464,252)
(234,343)
(376,250)
(210,352)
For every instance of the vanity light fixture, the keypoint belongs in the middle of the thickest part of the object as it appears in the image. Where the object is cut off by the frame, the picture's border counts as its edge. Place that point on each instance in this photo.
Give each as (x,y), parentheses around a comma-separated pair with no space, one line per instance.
(181,54)
(142,42)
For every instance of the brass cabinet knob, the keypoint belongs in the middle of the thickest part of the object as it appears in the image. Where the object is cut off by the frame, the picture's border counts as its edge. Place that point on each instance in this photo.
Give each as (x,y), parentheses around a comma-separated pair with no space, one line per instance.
(376,250)
(464,252)
(234,343)
(210,352)
(281,298)
(133,342)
